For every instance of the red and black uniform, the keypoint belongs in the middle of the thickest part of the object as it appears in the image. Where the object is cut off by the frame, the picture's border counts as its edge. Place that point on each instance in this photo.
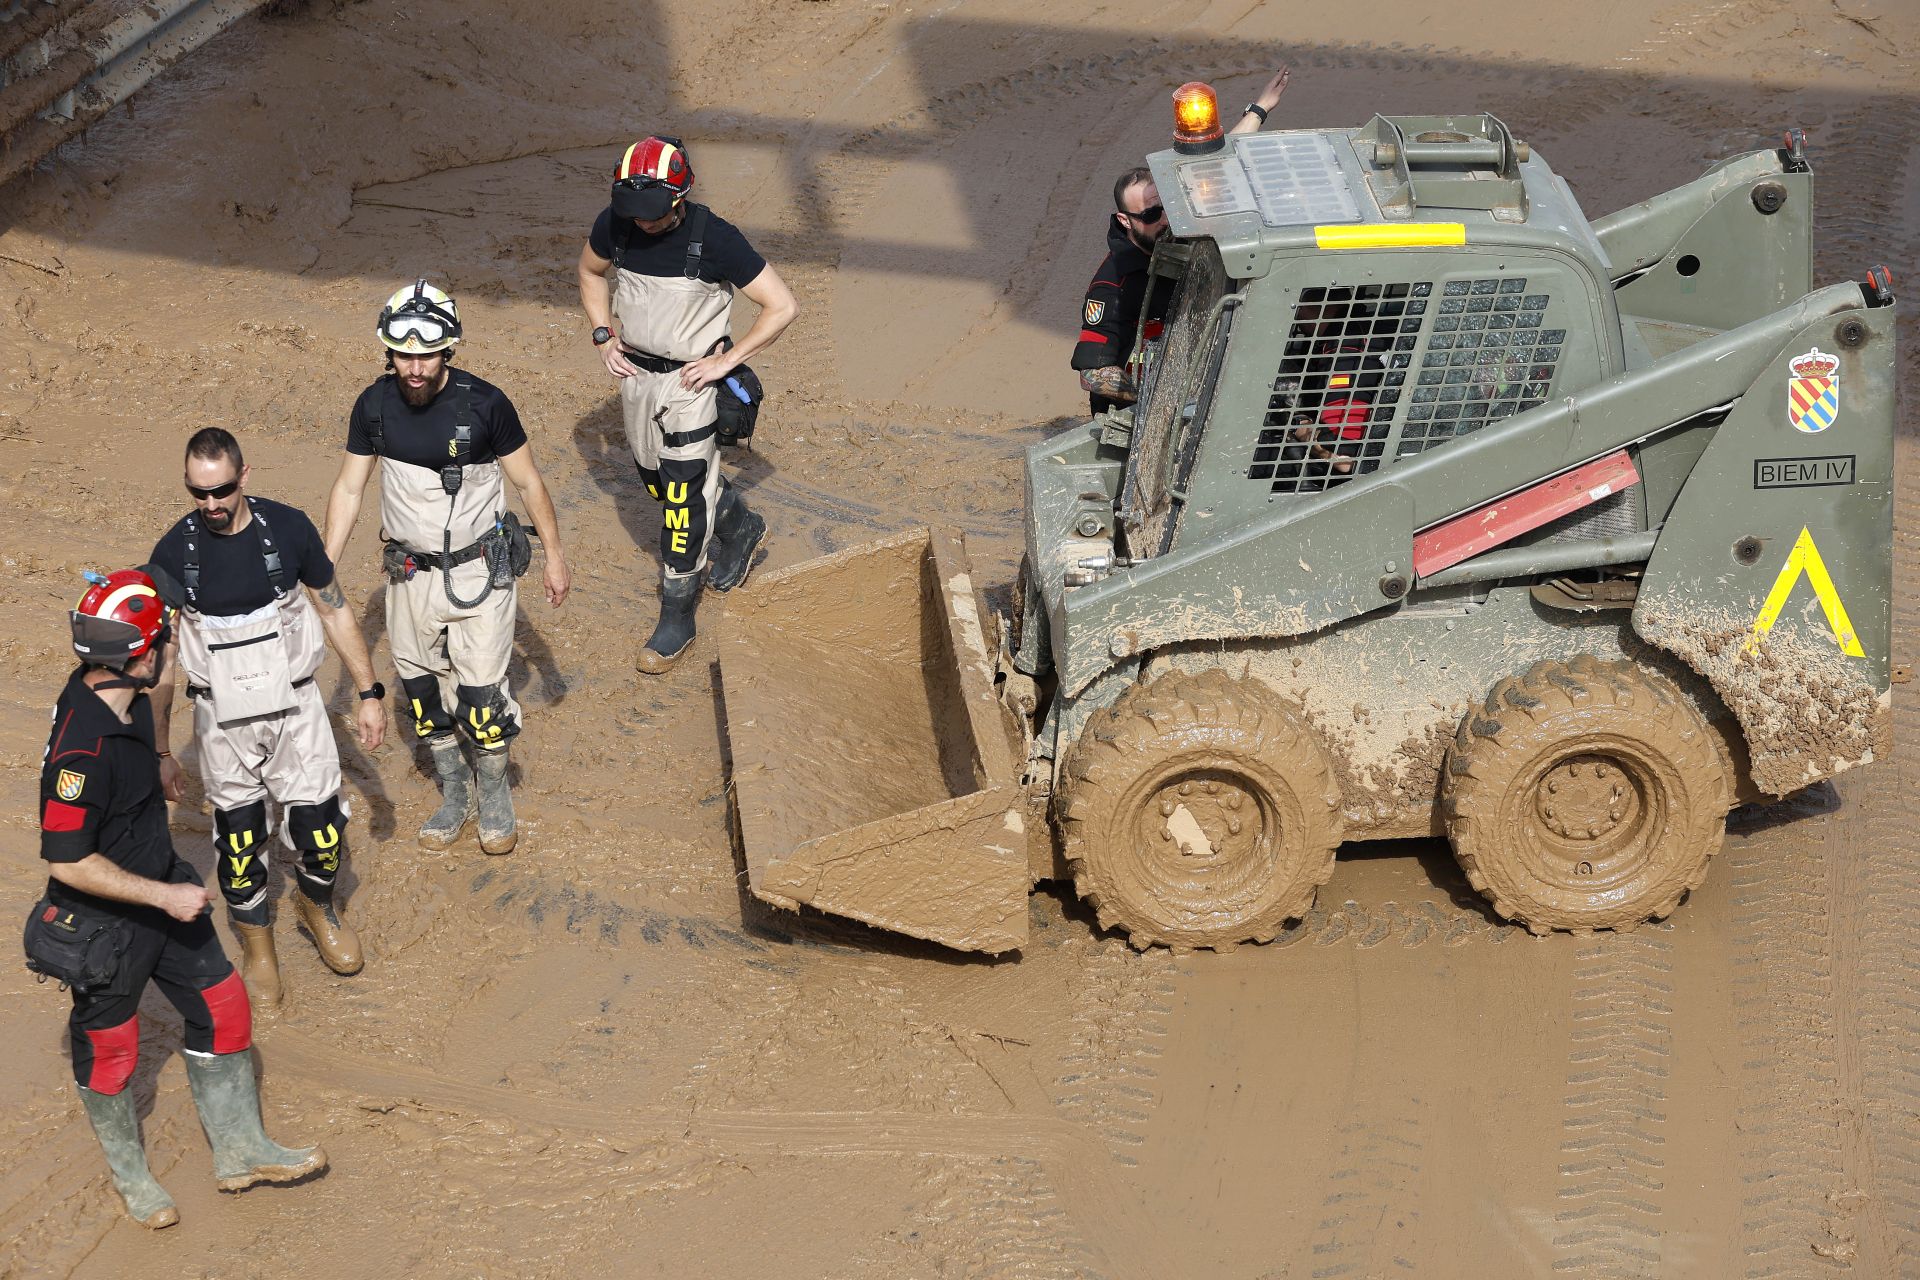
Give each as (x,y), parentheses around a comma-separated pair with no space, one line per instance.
(1110,313)
(100,793)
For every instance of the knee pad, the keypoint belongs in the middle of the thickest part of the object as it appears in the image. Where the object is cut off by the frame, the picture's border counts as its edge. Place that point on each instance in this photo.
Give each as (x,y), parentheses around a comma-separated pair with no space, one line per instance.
(651,478)
(683,533)
(319,832)
(430,715)
(240,853)
(229,1026)
(104,1060)
(484,716)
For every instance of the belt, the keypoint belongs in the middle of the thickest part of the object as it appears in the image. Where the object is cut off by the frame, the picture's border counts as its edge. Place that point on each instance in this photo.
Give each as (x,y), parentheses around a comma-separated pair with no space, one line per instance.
(651,363)
(201,691)
(429,560)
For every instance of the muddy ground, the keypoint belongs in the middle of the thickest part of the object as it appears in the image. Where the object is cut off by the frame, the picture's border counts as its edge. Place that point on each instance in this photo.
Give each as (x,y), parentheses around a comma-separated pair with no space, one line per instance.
(592,1057)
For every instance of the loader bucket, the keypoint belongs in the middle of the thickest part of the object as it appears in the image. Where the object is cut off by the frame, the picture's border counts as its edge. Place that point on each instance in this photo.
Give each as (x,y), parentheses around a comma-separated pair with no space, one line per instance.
(871,769)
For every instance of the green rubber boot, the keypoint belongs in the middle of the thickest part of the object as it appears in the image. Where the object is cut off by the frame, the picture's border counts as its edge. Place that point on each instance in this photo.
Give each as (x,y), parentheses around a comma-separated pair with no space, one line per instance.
(457,804)
(497,830)
(229,1102)
(119,1132)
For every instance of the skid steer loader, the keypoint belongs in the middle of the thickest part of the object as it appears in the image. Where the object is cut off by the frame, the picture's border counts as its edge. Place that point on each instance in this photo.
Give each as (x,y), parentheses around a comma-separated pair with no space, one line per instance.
(1443,511)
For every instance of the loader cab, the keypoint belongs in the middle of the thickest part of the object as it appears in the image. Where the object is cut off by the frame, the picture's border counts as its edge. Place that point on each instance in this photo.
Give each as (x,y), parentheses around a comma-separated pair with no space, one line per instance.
(1345,300)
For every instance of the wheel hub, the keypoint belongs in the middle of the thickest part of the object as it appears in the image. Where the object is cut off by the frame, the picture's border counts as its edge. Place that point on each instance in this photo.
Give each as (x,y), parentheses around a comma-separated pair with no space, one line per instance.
(1200,821)
(1587,798)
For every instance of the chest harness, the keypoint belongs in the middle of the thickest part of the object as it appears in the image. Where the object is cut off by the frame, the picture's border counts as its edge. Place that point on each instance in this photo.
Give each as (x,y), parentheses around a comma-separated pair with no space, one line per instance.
(190,574)
(736,417)
(504,546)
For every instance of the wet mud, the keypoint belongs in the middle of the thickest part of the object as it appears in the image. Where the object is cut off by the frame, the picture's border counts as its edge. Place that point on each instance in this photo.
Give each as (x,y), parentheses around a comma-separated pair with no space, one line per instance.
(603,1054)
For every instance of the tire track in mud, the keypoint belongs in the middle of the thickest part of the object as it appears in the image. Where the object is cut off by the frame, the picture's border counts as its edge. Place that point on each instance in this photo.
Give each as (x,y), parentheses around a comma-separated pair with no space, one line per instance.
(1611,1166)
(1368,1213)
(1886,919)
(1448,925)
(1101,1209)
(1110,1084)
(1789,1140)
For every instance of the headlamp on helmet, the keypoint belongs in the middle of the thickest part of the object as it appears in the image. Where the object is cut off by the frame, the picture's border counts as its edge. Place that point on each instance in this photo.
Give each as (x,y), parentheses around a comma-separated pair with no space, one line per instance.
(419,320)
(119,617)
(654,175)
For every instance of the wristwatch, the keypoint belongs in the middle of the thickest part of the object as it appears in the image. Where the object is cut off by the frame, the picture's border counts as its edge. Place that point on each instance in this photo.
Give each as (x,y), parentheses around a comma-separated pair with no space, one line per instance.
(374,694)
(1255,109)
(602,336)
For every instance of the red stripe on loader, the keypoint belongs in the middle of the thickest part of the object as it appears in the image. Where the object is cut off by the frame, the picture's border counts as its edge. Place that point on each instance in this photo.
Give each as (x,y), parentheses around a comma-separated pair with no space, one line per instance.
(1466,536)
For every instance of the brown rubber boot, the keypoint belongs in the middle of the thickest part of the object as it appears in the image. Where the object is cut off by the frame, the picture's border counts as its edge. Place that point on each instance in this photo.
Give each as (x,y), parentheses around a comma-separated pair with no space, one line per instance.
(333,938)
(259,963)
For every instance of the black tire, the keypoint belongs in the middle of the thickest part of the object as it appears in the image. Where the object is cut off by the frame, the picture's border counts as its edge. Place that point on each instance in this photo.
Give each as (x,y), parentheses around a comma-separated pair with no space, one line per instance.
(1586,795)
(1199,811)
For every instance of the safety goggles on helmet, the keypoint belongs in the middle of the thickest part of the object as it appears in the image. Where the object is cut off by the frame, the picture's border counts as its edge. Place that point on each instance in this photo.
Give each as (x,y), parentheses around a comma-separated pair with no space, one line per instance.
(419,320)
(652,177)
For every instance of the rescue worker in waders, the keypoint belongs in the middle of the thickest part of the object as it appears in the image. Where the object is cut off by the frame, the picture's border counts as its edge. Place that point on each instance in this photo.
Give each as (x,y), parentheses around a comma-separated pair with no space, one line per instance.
(453,553)
(657,277)
(250,644)
(122,908)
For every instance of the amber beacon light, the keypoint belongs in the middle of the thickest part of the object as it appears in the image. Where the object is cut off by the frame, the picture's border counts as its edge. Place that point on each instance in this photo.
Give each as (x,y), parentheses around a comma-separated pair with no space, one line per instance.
(1196,119)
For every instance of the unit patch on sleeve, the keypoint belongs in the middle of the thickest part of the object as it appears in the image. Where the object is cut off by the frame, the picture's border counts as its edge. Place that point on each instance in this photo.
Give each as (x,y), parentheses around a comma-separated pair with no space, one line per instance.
(1813,391)
(1096,309)
(69,784)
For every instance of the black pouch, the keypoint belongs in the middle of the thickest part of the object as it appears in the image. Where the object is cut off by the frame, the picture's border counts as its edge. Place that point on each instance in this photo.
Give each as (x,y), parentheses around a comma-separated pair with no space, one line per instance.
(509,551)
(74,946)
(737,405)
(393,559)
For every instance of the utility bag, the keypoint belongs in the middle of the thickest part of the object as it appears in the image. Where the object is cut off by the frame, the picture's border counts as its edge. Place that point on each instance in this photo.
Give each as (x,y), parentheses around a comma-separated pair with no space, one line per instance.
(737,406)
(77,947)
(509,551)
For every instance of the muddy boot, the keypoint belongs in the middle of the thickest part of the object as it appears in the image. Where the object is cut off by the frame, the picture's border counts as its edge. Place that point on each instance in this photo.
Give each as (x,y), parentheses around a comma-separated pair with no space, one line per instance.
(456,794)
(259,963)
(675,631)
(497,834)
(333,937)
(737,535)
(229,1103)
(119,1132)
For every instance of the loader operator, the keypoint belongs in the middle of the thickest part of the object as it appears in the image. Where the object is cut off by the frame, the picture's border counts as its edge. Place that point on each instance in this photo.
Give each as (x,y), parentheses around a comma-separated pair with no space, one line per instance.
(1110,311)
(657,276)
(452,553)
(251,645)
(122,908)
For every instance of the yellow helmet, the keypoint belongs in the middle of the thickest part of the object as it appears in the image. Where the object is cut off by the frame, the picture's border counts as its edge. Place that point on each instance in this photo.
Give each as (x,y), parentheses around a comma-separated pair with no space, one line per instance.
(419,320)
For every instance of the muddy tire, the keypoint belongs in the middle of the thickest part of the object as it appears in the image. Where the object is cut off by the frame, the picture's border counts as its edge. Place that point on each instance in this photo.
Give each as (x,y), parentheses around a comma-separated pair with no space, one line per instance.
(1585,795)
(1199,811)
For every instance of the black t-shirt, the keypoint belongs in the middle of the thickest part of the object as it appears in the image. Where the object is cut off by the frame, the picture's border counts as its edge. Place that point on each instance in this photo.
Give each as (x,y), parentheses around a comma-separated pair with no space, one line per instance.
(725,254)
(100,791)
(424,436)
(233,566)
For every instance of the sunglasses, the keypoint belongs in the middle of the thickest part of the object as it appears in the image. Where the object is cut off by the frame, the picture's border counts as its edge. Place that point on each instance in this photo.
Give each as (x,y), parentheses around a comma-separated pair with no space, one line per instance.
(218,491)
(1147,216)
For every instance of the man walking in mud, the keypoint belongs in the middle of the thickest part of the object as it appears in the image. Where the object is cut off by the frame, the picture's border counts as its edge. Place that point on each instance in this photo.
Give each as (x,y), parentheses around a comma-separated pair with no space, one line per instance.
(122,908)
(250,643)
(444,440)
(657,276)
(1110,311)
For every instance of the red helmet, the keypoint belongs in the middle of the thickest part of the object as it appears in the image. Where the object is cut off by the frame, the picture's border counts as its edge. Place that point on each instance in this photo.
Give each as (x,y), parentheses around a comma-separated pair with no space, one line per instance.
(120,617)
(653,176)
